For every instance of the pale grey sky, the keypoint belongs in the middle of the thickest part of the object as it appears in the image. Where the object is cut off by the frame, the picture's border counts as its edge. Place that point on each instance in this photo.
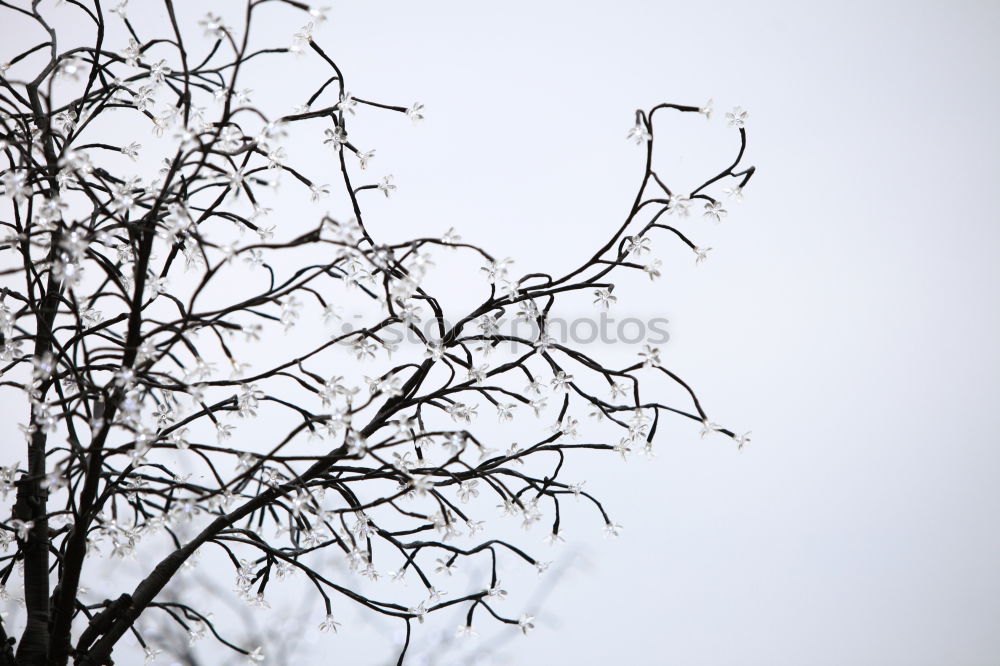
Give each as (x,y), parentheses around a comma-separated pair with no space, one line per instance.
(847,316)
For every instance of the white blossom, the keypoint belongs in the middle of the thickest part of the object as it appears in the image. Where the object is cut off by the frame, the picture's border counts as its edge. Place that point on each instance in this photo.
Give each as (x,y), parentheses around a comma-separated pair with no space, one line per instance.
(415,112)
(737,117)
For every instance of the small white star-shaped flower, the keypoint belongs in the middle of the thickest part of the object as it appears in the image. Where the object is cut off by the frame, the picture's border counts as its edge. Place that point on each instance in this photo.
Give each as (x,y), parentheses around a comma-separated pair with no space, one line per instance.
(638,134)
(415,112)
(707,428)
(329,625)
(316,192)
(706,110)
(737,117)
(364,158)
(466,631)
(336,137)
(715,211)
(347,103)
(604,298)
(386,186)
(650,356)
(132,150)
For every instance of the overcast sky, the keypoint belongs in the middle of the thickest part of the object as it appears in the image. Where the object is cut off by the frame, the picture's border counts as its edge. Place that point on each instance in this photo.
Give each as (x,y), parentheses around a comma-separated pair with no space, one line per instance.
(847,315)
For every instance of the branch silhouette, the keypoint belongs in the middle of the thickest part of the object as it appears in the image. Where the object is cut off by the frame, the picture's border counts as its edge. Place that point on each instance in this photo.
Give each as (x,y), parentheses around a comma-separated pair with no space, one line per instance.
(122,297)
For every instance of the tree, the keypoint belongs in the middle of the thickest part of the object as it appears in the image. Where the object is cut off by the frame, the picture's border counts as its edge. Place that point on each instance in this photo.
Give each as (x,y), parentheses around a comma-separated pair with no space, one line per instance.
(123,295)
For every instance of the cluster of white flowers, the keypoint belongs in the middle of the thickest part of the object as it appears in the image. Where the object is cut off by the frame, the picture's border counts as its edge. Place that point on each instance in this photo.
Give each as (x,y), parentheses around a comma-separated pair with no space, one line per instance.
(159,371)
